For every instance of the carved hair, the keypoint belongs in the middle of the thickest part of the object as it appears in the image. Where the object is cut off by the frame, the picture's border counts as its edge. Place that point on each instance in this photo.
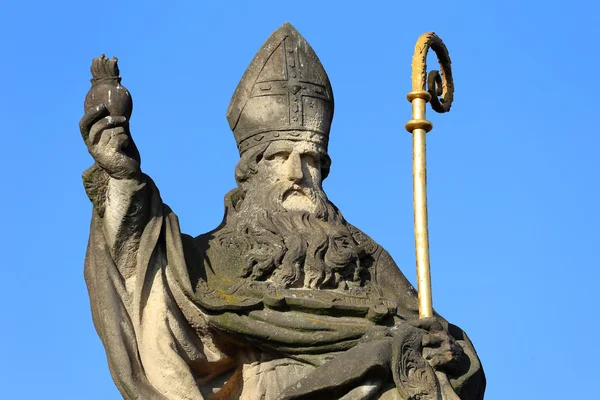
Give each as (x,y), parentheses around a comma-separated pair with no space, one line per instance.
(248,164)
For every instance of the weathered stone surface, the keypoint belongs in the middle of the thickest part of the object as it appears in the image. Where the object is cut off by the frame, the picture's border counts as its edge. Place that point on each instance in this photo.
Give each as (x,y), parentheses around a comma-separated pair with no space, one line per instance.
(285,299)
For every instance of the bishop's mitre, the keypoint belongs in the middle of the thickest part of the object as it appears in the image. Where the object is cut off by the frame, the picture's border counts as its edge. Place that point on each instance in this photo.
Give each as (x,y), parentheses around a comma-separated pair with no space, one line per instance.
(284,94)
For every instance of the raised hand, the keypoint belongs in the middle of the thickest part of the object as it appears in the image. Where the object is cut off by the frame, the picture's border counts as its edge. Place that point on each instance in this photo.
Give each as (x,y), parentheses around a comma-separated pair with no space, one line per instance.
(109,142)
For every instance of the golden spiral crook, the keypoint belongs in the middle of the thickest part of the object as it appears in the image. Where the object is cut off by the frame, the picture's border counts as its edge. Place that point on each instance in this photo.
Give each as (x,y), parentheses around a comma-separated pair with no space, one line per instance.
(437,85)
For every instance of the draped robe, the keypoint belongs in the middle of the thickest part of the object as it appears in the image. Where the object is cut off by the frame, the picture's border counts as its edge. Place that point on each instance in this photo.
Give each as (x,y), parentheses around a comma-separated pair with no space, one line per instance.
(178,322)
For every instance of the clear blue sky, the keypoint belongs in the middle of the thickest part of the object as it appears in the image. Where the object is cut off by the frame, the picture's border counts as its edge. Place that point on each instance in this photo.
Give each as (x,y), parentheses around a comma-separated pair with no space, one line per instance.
(513,168)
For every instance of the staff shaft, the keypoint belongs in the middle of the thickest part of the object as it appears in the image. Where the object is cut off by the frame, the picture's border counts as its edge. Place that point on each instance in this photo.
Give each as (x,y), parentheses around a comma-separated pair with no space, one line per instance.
(420,211)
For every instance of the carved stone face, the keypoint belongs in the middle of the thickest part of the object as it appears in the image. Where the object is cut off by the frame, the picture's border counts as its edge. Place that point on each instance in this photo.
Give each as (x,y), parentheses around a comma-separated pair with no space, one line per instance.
(293,164)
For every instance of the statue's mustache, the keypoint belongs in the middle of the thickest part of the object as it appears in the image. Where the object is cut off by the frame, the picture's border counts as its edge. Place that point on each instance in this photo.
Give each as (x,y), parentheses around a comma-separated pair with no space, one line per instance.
(284,190)
(277,194)
(296,189)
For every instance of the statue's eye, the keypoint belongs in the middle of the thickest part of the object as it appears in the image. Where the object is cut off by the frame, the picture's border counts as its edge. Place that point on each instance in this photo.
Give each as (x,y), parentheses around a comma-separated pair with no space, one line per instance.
(310,159)
(279,156)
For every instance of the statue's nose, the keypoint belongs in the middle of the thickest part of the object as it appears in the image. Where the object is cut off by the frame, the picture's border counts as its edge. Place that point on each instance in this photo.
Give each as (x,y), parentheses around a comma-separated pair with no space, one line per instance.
(295,173)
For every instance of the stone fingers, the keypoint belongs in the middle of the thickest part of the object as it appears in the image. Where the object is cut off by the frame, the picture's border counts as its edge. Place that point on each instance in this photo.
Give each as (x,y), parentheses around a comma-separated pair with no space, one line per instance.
(90,118)
(432,340)
(104,124)
(431,324)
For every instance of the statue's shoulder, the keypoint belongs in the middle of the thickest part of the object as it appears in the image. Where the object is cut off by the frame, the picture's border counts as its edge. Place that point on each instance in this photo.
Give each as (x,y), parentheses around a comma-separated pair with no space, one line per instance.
(212,256)
(367,245)
(209,254)
(215,241)
(384,273)
(371,248)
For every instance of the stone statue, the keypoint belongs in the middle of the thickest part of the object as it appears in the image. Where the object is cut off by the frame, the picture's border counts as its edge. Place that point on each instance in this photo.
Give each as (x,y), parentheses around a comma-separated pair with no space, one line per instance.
(284,299)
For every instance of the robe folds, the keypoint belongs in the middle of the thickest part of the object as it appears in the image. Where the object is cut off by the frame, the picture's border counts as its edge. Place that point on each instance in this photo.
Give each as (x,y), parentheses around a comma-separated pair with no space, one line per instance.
(179,323)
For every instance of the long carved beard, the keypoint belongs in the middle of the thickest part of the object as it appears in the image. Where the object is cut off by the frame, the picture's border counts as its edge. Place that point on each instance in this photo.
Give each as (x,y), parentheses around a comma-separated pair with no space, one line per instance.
(294,248)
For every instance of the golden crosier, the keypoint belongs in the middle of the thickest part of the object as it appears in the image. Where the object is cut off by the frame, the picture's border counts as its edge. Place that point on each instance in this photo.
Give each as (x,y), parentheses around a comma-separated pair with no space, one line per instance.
(437,85)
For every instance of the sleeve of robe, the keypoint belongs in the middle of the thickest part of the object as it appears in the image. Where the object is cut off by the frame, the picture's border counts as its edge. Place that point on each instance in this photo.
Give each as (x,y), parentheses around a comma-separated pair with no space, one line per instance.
(152,351)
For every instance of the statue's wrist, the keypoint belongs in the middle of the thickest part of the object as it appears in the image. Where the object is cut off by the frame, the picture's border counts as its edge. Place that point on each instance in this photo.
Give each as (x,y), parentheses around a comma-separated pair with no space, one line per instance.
(128,177)
(126,187)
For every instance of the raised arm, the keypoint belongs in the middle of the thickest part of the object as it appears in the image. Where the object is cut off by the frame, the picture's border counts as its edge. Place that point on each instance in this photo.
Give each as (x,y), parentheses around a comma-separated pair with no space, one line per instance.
(115,184)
